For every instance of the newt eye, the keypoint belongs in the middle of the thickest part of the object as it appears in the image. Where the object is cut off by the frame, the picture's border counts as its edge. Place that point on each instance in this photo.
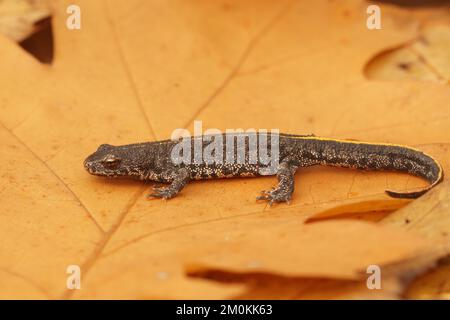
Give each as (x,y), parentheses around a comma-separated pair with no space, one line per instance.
(111,162)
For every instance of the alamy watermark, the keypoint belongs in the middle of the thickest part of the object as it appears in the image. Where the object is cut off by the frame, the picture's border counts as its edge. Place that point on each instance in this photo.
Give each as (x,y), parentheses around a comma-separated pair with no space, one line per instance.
(73,21)
(373,21)
(73,281)
(236,146)
(374,280)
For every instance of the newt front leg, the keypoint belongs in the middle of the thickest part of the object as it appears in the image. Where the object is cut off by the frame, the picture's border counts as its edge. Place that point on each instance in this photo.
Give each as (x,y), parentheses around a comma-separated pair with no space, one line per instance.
(182,177)
(283,191)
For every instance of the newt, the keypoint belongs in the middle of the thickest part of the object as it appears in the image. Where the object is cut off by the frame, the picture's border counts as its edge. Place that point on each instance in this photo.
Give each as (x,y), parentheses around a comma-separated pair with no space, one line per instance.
(153,161)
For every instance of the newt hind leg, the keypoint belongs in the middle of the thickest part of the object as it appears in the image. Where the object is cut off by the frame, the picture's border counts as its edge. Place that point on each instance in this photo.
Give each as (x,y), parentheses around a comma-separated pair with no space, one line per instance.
(283,191)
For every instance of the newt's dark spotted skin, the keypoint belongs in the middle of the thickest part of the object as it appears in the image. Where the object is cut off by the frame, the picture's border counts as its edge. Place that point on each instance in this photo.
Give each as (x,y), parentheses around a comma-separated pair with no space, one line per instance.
(151,161)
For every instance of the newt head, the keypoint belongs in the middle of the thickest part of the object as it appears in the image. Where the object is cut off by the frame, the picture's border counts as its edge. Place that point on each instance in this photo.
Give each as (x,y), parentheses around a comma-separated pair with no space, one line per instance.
(117,161)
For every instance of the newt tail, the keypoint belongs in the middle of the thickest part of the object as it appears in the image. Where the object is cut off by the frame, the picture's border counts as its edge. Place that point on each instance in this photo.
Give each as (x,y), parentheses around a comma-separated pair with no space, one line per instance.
(378,156)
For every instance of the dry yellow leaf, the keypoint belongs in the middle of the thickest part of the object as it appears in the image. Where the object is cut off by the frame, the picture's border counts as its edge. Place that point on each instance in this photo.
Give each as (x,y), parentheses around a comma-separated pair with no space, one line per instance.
(432,285)
(18,18)
(268,286)
(378,207)
(429,215)
(136,71)
(424,59)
